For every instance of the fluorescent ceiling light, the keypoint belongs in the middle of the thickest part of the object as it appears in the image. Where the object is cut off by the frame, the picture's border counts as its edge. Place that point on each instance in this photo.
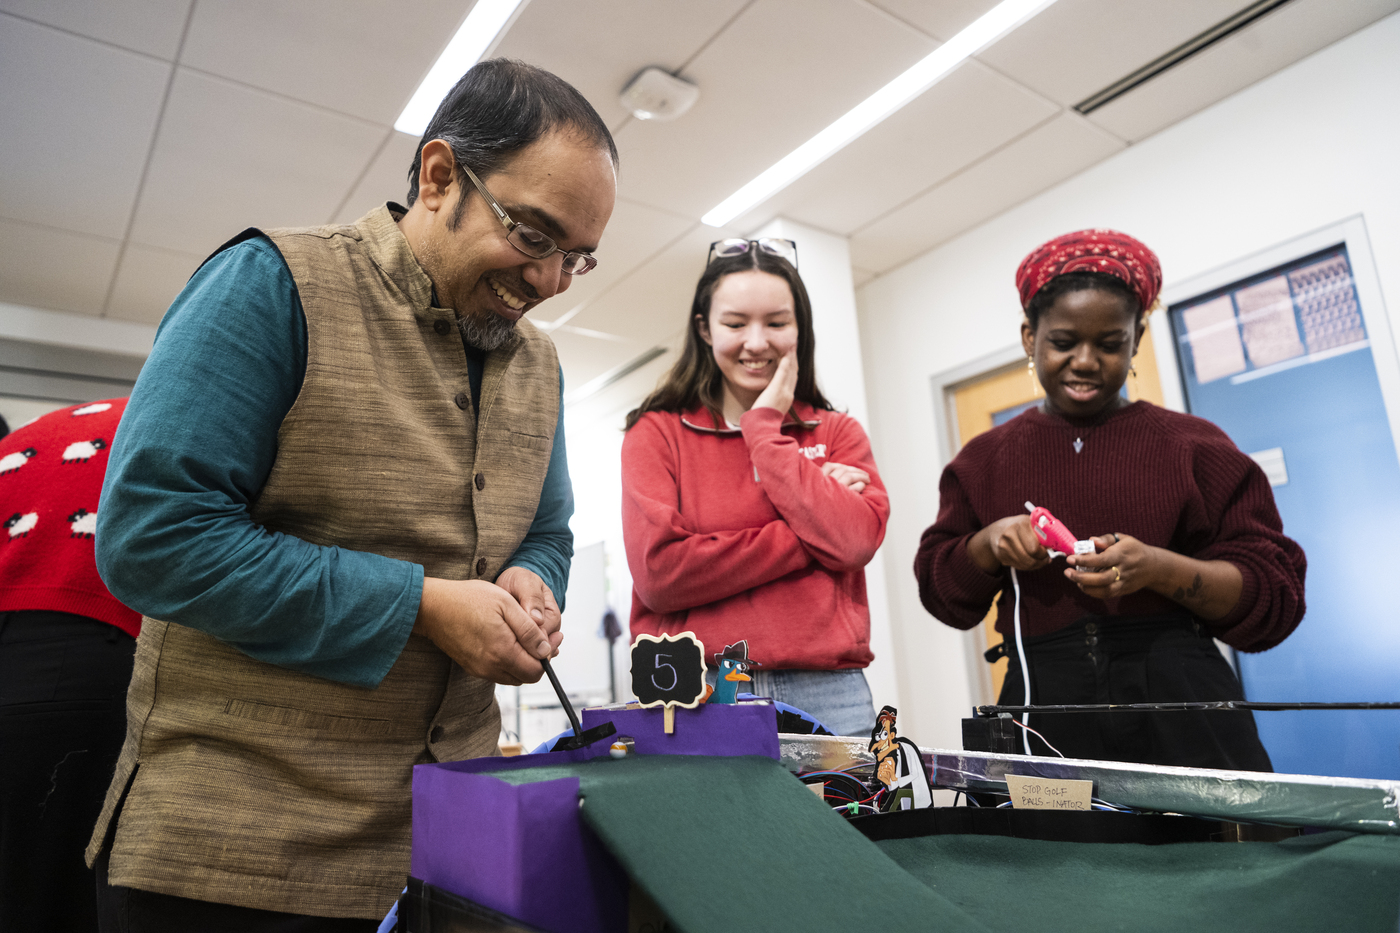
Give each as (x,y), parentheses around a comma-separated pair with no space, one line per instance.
(478,33)
(990,27)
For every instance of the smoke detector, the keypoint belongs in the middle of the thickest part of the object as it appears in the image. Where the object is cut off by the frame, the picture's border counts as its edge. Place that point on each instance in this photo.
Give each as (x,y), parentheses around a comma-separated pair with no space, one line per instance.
(656,94)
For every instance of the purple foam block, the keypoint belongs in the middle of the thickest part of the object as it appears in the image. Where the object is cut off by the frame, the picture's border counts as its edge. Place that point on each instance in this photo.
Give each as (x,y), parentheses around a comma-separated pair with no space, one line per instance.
(719,729)
(518,849)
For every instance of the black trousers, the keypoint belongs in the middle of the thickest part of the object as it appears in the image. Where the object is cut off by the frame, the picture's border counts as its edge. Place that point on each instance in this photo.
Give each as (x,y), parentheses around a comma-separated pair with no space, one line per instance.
(131,910)
(63,681)
(1106,659)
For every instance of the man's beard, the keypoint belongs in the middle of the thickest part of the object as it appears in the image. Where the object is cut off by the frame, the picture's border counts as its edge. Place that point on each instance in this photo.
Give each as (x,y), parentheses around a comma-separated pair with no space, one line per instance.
(486,330)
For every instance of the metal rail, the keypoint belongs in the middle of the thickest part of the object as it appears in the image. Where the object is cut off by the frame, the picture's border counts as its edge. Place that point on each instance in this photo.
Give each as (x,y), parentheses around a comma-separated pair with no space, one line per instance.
(989,712)
(1356,805)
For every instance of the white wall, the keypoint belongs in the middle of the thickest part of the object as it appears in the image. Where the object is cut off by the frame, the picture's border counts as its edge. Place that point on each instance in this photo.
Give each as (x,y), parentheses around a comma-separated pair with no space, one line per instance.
(1307,147)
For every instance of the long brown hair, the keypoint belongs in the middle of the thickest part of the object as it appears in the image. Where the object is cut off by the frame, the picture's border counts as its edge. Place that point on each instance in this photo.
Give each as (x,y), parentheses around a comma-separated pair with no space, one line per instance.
(696,378)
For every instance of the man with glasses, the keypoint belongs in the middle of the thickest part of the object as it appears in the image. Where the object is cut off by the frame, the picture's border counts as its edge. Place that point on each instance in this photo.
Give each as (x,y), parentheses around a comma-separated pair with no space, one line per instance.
(339,495)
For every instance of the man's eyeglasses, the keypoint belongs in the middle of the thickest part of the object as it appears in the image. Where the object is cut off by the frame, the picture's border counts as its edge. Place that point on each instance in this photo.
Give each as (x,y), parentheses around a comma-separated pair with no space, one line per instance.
(529,240)
(738,246)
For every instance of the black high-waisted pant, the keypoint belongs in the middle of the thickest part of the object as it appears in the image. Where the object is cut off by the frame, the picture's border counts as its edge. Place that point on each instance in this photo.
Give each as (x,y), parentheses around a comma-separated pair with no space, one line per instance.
(1108,659)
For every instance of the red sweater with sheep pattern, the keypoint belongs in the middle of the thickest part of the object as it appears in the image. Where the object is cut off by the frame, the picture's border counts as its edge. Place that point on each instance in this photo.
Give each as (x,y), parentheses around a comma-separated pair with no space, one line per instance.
(735,533)
(51,472)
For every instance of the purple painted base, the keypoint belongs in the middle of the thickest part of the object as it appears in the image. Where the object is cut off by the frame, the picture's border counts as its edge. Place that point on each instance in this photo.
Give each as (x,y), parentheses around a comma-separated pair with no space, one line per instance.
(519,849)
(710,729)
(522,849)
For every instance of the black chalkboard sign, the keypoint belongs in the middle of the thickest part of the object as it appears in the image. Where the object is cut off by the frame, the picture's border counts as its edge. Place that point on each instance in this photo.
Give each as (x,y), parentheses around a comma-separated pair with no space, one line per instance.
(669,670)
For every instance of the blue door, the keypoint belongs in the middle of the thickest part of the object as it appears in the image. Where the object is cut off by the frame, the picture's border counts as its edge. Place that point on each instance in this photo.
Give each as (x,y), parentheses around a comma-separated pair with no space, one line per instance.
(1282,363)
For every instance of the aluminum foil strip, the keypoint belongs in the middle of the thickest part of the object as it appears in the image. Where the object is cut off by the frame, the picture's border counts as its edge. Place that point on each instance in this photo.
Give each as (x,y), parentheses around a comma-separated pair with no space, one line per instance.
(1357,805)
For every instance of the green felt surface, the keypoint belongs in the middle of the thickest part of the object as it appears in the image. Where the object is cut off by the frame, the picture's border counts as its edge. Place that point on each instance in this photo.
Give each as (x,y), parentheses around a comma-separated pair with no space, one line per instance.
(1333,882)
(734,844)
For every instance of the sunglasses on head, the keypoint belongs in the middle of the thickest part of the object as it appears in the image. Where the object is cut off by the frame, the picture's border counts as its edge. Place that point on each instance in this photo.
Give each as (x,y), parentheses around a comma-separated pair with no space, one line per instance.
(738,246)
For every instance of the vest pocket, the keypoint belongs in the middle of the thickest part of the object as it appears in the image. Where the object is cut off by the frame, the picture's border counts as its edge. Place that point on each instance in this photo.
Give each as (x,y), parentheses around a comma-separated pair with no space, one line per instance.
(290,717)
(531,441)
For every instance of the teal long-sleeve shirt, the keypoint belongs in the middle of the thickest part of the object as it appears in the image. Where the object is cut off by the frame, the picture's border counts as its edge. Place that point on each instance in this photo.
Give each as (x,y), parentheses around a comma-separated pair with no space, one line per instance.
(175,540)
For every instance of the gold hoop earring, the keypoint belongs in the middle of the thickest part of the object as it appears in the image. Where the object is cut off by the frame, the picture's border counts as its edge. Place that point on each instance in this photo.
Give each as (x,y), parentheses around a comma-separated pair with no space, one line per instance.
(1134,393)
(1030,371)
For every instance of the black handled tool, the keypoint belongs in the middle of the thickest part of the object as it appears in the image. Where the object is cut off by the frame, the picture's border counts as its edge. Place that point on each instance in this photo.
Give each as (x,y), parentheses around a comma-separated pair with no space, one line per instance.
(579,739)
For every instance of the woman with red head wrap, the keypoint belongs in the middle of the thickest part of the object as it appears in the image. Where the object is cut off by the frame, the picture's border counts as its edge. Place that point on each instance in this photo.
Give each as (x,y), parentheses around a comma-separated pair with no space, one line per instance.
(1188,544)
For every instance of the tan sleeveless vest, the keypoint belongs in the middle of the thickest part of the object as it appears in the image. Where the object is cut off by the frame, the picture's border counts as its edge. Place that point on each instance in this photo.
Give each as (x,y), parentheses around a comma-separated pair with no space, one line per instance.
(260,786)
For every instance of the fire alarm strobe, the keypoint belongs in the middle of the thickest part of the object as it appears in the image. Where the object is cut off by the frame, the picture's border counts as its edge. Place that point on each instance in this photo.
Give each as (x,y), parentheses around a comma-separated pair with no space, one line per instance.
(656,94)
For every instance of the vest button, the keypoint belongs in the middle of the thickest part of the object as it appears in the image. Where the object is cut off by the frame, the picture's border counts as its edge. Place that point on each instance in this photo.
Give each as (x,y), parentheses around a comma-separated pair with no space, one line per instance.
(1092,628)
(442,327)
(481,481)
(436,734)
(481,566)
(463,400)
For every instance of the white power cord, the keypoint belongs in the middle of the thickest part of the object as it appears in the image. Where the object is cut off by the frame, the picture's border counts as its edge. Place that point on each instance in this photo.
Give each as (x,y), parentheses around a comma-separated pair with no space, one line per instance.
(1025,668)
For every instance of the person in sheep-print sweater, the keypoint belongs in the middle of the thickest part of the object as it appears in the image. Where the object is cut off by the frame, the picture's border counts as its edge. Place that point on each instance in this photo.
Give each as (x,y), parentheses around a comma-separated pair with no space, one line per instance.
(66,649)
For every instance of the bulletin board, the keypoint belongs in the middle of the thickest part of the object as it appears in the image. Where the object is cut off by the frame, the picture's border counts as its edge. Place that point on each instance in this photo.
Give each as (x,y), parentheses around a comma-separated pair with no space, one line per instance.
(1290,353)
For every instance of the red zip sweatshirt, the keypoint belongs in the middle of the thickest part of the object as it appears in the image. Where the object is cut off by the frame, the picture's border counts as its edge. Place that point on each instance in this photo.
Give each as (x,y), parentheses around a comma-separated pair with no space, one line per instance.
(736,534)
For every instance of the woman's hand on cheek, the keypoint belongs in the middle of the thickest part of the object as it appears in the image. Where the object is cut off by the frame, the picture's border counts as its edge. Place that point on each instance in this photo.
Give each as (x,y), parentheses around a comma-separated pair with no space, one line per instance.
(1121,565)
(779,392)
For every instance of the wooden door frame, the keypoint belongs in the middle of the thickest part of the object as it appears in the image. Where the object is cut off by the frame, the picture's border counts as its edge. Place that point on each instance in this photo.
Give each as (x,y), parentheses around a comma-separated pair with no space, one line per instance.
(945,419)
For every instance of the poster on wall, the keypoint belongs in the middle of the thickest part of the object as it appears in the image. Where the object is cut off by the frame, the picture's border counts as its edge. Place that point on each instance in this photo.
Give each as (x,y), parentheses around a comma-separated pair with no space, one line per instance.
(1280,359)
(1303,312)
(1214,337)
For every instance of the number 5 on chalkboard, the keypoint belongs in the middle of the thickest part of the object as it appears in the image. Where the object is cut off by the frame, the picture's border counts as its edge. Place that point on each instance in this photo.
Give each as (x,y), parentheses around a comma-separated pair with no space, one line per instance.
(675,678)
(668,671)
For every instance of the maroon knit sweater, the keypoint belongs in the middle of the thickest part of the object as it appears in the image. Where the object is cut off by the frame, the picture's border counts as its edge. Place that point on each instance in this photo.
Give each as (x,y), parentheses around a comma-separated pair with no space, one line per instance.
(1171,480)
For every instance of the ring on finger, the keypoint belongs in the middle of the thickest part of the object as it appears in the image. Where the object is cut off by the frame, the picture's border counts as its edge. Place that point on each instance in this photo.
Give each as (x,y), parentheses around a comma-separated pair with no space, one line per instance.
(1117,575)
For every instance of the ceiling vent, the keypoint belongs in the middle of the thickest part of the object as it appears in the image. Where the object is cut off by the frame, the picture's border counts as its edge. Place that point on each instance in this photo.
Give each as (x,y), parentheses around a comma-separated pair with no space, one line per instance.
(656,94)
(1222,29)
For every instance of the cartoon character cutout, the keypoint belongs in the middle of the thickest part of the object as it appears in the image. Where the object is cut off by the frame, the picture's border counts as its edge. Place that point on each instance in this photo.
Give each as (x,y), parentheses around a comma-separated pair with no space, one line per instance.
(732,664)
(898,765)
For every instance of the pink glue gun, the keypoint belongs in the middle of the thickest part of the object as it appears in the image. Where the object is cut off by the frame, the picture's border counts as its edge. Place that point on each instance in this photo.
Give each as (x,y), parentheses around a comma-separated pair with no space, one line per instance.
(1053,534)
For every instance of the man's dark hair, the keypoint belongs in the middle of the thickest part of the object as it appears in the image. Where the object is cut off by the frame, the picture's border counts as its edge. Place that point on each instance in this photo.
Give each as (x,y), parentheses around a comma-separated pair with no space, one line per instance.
(500,107)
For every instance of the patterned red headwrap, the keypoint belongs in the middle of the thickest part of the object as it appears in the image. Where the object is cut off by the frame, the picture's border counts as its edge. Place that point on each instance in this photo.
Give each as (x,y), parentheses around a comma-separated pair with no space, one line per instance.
(1108,251)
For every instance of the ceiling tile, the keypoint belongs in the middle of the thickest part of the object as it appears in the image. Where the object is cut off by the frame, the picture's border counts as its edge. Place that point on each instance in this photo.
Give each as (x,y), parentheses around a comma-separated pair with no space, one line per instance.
(583,357)
(361,57)
(229,157)
(957,121)
(652,303)
(941,20)
(1061,148)
(148,279)
(781,71)
(1076,48)
(1272,42)
(634,234)
(385,180)
(566,39)
(47,268)
(149,26)
(78,118)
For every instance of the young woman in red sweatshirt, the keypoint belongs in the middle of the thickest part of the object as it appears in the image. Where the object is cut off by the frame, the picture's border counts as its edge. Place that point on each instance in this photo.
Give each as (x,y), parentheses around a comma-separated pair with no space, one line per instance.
(1189,543)
(749,506)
